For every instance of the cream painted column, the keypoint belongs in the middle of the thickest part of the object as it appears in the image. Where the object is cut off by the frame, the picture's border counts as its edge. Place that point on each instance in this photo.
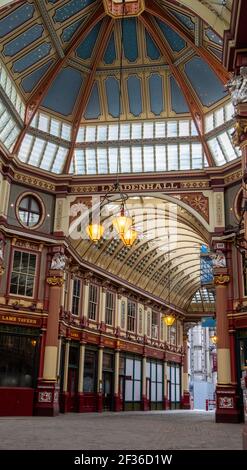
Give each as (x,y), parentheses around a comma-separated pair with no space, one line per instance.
(70,293)
(102,304)
(85,299)
(165,385)
(100,370)
(4,199)
(223,344)
(66,366)
(81,368)
(116,373)
(144,376)
(118,311)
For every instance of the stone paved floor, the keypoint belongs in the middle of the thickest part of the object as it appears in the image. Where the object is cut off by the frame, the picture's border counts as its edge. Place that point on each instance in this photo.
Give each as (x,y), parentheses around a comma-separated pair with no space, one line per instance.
(130,430)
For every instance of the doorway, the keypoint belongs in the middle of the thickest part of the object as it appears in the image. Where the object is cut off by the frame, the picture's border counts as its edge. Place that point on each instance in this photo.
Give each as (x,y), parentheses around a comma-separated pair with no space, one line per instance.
(108,382)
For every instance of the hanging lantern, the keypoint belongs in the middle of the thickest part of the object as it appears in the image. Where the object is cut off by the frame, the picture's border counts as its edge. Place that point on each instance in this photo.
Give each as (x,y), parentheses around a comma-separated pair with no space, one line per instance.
(122,222)
(95,232)
(169,319)
(129,237)
(214,339)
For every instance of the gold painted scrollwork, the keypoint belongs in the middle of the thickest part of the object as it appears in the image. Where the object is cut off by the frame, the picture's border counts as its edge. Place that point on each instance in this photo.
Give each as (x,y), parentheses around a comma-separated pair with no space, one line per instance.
(55,281)
(221,279)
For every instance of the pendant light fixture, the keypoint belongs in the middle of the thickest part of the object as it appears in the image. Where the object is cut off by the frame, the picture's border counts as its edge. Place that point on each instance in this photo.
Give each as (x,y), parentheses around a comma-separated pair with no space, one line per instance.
(122,223)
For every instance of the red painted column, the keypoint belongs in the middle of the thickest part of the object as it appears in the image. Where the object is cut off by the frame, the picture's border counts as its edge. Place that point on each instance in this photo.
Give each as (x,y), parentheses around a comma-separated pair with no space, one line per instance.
(226,393)
(47,394)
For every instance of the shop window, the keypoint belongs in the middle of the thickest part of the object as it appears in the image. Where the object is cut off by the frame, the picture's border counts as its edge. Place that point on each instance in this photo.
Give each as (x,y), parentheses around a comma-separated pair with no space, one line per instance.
(133,379)
(18,360)
(131,318)
(109,308)
(23,274)
(93,302)
(90,371)
(174,385)
(76,296)
(154,374)
(29,211)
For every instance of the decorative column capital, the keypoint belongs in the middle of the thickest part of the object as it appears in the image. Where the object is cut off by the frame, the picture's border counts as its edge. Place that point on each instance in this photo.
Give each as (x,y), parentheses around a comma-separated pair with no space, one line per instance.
(221,279)
(55,281)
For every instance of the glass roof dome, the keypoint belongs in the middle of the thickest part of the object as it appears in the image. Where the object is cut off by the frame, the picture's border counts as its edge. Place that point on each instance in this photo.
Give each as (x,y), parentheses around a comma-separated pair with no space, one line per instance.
(59,88)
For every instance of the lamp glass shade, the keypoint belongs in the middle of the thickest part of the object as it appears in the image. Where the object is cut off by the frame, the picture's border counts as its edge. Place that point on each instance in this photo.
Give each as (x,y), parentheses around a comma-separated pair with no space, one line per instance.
(122,223)
(169,319)
(129,237)
(214,339)
(95,232)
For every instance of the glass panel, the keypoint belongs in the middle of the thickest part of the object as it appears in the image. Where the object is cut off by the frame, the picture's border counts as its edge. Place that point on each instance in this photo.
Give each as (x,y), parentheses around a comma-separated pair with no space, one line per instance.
(128,390)
(227,146)
(159,392)
(193,129)
(137,369)
(129,367)
(218,155)
(137,391)
(55,128)
(197,156)
(184,157)
(136,159)
(148,130)
(136,132)
(148,157)
(81,135)
(90,134)
(125,159)
(172,157)
(153,391)
(229,111)
(91,161)
(124,131)
(160,152)
(177,393)
(172,129)
(160,130)
(153,372)
(209,122)
(113,152)
(43,122)
(159,373)
(66,131)
(101,133)
(113,132)
(177,375)
(172,392)
(184,128)
(102,160)
(219,117)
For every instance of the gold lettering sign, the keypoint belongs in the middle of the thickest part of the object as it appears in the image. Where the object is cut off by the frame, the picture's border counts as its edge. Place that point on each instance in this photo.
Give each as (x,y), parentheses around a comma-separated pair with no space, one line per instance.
(20,320)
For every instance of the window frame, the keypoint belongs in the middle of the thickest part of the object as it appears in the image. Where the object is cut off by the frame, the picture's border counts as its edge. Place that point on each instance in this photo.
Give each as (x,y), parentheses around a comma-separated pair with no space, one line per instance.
(90,302)
(131,318)
(110,308)
(40,202)
(36,276)
(78,297)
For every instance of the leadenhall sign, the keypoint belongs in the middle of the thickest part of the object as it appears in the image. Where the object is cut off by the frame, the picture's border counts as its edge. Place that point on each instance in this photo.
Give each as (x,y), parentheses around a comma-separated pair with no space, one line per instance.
(141,186)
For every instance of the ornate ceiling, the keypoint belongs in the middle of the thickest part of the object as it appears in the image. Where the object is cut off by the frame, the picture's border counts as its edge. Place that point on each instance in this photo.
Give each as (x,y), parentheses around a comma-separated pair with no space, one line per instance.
(166,257)
(63,57)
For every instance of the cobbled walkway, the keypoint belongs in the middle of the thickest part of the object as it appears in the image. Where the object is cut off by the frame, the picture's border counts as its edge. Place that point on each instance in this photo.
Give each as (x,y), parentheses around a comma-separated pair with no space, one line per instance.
(121,431)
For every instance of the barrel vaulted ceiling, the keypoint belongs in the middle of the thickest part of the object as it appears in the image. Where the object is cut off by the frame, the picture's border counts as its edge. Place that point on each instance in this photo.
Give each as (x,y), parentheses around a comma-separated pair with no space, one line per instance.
(165,260)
